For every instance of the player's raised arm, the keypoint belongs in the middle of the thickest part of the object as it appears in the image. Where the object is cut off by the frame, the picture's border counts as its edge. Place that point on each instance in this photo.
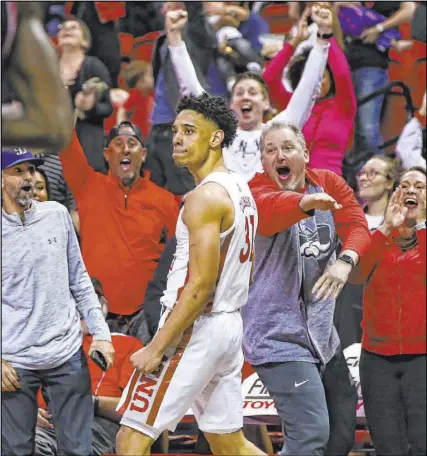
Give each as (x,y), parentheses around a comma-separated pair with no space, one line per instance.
(181,60)
(45,119)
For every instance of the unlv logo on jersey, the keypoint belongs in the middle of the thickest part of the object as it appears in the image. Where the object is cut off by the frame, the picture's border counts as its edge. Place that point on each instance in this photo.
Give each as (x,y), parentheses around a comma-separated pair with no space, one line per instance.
(314,243)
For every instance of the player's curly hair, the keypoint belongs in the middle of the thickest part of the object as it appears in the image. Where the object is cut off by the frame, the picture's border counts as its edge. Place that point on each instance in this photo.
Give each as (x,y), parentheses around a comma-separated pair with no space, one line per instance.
(214,109)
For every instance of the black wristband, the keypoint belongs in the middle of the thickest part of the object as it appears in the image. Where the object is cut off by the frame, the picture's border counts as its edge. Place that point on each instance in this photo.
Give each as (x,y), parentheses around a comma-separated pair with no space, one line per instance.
(324,36)
(347,259)
(95,405)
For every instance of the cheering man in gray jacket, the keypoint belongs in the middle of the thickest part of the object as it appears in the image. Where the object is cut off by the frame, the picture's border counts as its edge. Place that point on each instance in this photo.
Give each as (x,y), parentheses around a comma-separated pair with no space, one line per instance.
(45,292)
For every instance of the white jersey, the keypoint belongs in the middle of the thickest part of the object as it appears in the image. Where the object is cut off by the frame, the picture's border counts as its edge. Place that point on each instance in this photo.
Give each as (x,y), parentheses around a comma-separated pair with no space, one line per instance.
(237,245)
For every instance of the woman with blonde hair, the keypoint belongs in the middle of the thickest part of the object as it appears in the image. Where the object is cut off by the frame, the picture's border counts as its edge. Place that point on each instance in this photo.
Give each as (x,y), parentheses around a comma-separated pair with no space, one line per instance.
(376,182)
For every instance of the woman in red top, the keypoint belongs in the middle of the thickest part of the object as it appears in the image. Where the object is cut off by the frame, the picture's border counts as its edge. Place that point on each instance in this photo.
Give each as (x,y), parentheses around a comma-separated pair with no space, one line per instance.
(330,125)
(393,359)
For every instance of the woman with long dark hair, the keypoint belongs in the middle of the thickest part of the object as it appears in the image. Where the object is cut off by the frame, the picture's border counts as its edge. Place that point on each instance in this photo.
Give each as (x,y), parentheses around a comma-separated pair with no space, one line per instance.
(329,127)
(41,186)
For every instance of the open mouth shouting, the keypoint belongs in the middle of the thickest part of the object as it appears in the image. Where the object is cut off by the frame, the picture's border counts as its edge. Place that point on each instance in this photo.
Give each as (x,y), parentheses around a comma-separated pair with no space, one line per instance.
(284,173)
(28,188)
(411,202)
(246,109)
(125,164)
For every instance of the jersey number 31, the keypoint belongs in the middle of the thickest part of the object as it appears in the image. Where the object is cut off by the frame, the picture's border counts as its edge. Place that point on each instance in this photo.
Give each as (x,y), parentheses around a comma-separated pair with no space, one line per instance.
(246,252)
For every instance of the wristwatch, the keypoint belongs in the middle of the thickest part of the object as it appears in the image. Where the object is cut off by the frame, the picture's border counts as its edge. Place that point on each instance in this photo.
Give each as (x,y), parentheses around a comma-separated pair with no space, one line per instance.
(347,259)
(324,36)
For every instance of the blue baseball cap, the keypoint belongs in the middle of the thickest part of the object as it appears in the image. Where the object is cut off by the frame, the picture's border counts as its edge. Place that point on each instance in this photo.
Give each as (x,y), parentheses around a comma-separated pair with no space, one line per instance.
(11,157)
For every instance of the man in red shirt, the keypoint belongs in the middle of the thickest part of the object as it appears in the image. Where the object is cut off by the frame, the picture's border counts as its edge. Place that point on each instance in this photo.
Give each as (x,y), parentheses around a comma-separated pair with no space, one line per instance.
(125,219)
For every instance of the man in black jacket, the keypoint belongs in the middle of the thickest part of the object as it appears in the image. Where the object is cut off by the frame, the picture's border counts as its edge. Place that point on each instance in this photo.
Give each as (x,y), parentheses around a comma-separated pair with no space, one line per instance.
(201,43)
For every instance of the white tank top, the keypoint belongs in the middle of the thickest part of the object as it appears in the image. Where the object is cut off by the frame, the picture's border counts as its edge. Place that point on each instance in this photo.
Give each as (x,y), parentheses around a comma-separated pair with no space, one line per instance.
(236,250)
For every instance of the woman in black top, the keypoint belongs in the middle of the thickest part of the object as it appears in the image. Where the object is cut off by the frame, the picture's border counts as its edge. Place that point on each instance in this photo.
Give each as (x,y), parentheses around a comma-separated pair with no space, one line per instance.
(76,68)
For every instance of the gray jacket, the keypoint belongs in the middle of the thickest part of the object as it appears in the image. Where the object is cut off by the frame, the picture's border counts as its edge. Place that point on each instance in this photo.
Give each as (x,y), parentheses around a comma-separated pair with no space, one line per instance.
(45,289)
(282,320)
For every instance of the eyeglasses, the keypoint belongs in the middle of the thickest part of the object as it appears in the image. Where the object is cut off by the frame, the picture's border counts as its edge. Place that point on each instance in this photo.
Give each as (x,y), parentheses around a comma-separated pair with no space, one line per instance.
(371,174)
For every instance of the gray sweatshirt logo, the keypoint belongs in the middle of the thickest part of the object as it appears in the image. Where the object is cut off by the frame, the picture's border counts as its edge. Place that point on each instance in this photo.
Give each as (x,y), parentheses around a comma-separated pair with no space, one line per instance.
(314,243)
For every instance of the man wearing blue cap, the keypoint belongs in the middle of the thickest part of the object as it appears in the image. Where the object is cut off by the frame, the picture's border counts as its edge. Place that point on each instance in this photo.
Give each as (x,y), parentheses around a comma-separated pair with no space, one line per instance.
(45,292)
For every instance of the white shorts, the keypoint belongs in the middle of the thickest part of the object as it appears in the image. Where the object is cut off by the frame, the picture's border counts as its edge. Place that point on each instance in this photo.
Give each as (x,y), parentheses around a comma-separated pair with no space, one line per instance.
(204,374)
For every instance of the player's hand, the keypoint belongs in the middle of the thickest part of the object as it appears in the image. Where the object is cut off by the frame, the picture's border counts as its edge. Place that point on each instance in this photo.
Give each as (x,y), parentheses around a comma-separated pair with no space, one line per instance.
(319,201)
(146,360)
(9,377)
(43,419)
(106,348)
(321,14)
(332,281)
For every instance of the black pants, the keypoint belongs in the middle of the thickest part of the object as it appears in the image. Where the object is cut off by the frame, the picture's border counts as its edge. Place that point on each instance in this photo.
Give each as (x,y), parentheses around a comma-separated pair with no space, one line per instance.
(160,163)
(394,395)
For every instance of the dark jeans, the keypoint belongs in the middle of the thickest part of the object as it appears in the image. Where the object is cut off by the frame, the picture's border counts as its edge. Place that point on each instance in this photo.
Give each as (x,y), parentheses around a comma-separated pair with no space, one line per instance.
(160,163)
(70,404)
(367,133)
(341,399)
(394,395)
(104,434)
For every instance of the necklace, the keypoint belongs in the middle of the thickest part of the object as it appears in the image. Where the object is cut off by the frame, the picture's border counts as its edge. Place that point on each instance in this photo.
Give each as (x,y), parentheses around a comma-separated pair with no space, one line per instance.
(406,244)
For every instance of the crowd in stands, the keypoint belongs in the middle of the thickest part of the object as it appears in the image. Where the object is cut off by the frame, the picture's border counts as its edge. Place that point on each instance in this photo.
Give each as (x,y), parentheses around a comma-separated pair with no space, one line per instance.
(125,66)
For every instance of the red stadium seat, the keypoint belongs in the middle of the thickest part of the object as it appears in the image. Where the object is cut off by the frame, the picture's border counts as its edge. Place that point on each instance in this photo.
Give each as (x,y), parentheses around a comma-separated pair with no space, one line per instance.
(277,17)
(126,44)
(143,46)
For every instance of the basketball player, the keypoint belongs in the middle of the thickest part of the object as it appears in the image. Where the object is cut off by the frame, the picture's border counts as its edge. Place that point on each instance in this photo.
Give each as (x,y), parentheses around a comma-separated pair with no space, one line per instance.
(195,359)
(36,107)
